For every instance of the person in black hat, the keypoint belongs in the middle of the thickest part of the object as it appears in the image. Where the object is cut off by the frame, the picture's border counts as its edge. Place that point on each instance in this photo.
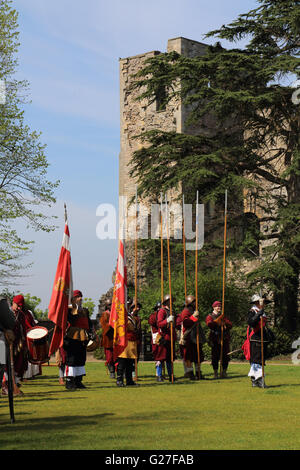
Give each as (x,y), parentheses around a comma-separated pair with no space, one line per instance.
(256,319)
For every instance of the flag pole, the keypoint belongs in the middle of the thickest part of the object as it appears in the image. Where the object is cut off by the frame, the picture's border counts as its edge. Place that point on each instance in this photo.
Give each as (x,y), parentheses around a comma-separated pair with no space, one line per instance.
(170,289)
(66,217)
(161,260)
(183,244)
(262,349)
(161,252)
(196,282)
(135,267)
(223,286)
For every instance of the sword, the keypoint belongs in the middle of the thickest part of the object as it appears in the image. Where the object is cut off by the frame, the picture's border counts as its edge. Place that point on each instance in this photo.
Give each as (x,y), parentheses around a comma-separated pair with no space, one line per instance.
(232,352)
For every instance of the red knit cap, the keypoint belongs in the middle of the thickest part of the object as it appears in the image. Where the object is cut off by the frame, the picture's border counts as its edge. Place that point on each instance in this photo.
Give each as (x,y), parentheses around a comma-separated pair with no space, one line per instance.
(216,304)
(77,293)
(19,300)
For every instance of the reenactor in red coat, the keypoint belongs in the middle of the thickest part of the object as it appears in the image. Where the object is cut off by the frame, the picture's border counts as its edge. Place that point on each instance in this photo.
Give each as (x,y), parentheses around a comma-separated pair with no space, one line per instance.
(164,352)
(188,321)
(215,322)
(106,341)
(155,342)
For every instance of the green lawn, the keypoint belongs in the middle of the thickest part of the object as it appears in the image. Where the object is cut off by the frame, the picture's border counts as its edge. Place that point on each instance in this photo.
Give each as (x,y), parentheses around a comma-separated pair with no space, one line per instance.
(205,415)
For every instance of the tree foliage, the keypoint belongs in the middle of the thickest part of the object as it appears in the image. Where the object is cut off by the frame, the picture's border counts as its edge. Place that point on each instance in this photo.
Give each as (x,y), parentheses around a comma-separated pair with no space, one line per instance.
(24,187)
(242,134)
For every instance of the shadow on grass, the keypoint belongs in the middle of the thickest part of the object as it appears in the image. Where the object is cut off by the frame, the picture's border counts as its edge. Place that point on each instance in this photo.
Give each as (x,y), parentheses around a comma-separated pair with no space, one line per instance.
(41,427)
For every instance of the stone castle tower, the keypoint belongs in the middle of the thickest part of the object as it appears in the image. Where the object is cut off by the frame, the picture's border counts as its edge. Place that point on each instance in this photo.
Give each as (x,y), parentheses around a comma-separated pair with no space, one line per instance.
(137,117)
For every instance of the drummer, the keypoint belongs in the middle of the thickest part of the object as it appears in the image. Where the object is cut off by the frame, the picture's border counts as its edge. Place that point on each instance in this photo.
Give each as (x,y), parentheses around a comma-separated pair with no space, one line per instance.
(79,331)
(32,369)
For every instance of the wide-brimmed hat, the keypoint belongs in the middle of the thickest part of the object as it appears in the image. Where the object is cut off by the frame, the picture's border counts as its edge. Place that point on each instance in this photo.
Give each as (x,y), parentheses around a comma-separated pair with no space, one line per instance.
(255,298)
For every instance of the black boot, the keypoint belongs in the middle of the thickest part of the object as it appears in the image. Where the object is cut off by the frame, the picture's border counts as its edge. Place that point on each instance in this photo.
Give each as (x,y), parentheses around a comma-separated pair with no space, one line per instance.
(128,373)
(129,381)
(70,383)
(120,375)
(191,375)
(111,369)
(78,382)
(261,382)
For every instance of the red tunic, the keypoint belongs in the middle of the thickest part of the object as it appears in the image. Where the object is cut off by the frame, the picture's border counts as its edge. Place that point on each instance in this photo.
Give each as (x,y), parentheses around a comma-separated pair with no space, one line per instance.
(215,330)
(154,329)
(189,350)
(164,328)
(29,320)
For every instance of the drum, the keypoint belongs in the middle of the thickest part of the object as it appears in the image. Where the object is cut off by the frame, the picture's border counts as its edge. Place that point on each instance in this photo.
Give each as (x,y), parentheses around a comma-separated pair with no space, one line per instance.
(93,344)
(38,347)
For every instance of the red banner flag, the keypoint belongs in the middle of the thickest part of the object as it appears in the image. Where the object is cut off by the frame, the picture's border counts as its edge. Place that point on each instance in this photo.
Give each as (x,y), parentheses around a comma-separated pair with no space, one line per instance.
(61,293)
(118,315)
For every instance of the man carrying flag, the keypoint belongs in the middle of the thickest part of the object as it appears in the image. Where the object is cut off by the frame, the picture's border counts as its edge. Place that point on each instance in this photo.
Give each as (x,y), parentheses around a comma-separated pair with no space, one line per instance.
(119,322)
(61,293)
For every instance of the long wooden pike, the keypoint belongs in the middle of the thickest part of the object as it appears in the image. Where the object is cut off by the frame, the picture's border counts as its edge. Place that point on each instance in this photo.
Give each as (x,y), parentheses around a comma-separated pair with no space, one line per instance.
(161,261)
(196,284)
(161,251)
(135,268)
(223,286)
(262,349)
(183,246)
(170,289)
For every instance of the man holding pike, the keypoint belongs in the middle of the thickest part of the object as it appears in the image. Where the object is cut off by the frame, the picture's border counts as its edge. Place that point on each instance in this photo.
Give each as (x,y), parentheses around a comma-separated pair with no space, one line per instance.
(215,321)
(188,321)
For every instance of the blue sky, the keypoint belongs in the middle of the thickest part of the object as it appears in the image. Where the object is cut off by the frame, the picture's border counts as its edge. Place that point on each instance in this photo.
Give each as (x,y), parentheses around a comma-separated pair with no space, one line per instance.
(70,54)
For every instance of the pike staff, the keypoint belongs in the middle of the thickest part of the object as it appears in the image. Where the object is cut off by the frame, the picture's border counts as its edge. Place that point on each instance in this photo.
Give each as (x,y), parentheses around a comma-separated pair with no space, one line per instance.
(170,289)
(183,246)
(161,252)
(196,284)
(161,259)
(262,350)
(135,268)
(223,287)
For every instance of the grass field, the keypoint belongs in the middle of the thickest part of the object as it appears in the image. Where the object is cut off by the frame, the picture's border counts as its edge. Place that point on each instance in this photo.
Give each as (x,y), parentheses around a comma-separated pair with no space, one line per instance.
(205,415)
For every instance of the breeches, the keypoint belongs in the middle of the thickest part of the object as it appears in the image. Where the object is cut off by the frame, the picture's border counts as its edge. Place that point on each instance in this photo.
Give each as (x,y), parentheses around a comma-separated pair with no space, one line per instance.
(216,354)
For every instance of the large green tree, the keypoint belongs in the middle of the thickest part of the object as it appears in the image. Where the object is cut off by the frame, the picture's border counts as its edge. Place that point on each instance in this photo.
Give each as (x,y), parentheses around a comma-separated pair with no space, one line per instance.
(24,187)
(242,134)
